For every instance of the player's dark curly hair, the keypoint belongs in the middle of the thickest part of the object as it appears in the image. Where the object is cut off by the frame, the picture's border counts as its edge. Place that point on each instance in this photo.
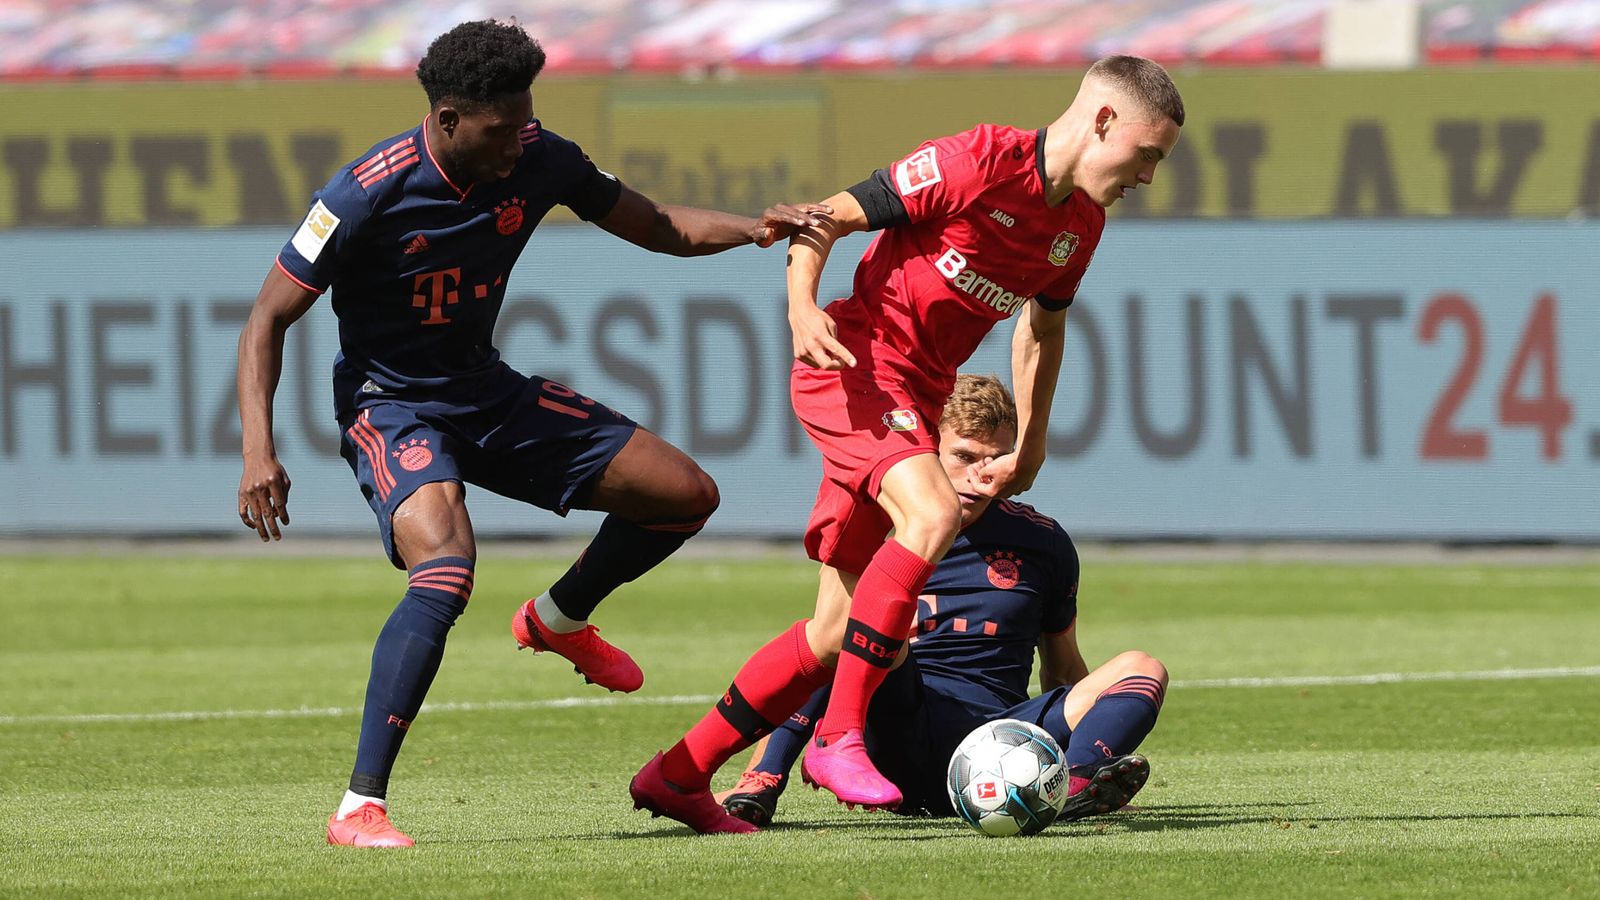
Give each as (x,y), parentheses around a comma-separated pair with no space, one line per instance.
(477,63)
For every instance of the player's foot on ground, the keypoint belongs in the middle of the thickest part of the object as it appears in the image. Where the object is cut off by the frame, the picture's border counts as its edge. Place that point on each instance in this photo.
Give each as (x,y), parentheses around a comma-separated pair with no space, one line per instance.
(755,798)
(597,661)
(367,825)
(1108,789)
(843,768)
(697,809)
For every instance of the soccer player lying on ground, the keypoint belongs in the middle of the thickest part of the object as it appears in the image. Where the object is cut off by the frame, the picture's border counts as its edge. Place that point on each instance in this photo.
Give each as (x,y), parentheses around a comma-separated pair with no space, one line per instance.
(989,223)
(417,238)
(1008,585)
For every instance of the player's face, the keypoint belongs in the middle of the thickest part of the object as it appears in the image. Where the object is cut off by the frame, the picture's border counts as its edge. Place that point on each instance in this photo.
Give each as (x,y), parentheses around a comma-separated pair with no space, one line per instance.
(961,456)
(485,142)
(1123,153)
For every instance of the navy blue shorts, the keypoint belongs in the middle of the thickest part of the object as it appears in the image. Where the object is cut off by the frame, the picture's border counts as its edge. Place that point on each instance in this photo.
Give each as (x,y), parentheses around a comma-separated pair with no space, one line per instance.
(530,439)
(915,723)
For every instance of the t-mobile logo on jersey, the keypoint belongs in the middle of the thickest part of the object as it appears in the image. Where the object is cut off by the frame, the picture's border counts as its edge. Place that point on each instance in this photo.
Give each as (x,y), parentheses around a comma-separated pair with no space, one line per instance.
(954,267)
(436,290)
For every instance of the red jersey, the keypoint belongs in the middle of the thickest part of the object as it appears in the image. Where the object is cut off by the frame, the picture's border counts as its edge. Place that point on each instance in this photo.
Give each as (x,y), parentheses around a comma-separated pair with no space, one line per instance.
(979,244)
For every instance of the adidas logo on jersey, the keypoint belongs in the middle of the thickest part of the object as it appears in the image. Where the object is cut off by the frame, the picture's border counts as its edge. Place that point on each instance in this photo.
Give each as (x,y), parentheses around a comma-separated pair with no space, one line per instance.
(954,267)
(418,244)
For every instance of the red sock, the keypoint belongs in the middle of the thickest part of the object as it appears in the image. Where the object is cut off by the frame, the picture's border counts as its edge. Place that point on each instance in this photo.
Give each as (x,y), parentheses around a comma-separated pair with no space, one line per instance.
(775,682)
(881,612)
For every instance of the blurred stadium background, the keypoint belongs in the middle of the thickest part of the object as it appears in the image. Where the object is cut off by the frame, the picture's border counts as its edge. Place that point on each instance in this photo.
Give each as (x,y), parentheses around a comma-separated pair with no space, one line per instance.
(1358,303)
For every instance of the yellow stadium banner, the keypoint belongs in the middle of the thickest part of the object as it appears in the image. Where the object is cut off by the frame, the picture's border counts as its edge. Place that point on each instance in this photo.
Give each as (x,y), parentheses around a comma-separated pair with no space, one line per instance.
(1476,143)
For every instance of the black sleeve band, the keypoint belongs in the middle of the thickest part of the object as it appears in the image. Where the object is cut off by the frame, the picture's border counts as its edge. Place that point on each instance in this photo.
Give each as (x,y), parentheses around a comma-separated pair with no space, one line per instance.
(596,197)
(880,201)
(1052,303)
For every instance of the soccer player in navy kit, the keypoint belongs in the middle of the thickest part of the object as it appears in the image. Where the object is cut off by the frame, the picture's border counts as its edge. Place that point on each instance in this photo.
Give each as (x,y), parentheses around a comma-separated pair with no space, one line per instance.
(417,238)
(1008,586)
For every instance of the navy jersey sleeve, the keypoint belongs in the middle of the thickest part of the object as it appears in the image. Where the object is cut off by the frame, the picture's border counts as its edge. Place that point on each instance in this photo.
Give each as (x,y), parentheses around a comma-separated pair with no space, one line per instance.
(587,190)
(338,211)
(1061,605)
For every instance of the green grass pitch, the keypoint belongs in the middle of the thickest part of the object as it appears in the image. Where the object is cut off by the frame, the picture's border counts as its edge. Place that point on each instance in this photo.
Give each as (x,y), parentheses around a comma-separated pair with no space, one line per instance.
(1455,786)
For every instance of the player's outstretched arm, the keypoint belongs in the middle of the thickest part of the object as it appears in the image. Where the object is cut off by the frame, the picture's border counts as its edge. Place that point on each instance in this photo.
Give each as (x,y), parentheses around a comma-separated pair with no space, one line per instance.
(688,231)
(816,337)
(264,487)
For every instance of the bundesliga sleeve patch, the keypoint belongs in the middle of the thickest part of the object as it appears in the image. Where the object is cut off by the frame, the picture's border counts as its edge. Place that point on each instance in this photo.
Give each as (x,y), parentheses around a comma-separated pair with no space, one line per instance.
(917,171)
(315,231)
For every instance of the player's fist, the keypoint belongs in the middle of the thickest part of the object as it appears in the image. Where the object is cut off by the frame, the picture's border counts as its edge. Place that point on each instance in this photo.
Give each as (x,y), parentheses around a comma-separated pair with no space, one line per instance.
(264,496)
(816,339)
(1003,476)
(782,220)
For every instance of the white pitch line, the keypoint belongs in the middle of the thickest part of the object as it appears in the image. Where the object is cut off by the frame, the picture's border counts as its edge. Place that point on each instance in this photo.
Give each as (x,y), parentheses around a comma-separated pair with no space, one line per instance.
(1391,678)
(310,712)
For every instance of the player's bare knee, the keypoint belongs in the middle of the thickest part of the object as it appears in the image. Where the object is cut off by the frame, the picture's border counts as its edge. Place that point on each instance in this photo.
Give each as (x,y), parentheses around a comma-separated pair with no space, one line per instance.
(933,530)
(703,495)
(1138,662)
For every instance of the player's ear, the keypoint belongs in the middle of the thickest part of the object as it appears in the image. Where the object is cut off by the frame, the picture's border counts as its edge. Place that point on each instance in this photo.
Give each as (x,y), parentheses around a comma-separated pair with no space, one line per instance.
(1102,120)
(449,118)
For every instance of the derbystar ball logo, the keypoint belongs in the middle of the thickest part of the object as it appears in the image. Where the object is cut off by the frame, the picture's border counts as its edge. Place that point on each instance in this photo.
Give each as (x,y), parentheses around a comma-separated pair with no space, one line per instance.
(954,267)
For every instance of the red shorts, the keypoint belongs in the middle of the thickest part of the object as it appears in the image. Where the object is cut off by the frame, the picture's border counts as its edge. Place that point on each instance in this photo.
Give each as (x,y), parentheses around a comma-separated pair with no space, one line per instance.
(862,428)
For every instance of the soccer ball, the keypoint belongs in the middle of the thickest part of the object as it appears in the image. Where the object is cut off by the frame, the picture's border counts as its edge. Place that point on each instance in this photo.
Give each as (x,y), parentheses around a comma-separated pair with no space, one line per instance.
(1008,777)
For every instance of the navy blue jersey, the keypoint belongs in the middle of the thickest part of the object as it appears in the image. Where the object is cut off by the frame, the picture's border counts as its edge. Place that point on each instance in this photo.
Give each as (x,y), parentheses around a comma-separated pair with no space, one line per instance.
(418,266)
(1010,577)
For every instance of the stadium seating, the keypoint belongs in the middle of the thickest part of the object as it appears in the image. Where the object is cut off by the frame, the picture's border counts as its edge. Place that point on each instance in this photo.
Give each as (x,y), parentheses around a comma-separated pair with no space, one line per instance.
(289,38)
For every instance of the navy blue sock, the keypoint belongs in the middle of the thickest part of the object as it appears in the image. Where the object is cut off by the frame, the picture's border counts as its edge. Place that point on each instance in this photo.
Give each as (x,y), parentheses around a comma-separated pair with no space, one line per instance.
(788,740)
(620,552)
(404,662)
(1119,719)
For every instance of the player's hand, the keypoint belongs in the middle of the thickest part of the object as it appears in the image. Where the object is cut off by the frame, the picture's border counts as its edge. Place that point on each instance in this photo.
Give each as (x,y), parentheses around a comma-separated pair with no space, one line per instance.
(782,220)
(264,496)
(1002,476)
(816,339)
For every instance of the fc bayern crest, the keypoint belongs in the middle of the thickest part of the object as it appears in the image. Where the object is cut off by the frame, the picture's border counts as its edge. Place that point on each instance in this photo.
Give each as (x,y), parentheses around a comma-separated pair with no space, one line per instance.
(508,215)
(1005,569)
(414,454)
(1062,247)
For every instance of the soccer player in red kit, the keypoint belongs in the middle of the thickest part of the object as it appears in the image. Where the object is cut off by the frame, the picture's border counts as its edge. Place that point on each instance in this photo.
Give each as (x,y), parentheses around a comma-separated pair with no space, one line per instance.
(978,226)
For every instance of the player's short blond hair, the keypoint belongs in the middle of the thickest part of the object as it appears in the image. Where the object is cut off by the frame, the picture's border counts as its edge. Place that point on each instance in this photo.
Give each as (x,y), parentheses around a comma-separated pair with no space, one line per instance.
(979,407)
(1145,81)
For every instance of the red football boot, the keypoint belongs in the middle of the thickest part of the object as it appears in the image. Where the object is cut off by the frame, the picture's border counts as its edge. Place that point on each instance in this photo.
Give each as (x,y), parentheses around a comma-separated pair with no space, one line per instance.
(698,810)
(597,661)
(367,825)
(843,768)
(1107,789)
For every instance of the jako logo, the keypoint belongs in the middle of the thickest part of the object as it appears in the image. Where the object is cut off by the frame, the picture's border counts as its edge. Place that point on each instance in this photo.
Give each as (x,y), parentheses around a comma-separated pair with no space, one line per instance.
(954,267)
(1002,218)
